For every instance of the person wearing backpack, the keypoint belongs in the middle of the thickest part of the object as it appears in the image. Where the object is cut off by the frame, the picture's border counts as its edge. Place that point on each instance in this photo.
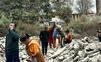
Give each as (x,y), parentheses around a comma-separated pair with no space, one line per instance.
(32,48)
(44,37)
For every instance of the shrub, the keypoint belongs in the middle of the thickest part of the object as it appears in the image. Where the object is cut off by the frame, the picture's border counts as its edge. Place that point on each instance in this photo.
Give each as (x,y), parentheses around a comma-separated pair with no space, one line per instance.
(32,29)
(4,22)
(84,26)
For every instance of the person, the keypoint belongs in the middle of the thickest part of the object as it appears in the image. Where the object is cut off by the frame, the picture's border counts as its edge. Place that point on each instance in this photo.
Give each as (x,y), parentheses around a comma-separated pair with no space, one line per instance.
(54,36)
(99,35)
(11,44)
(44,36)
(32,48)
(50,37)
(68,37)
(60,35)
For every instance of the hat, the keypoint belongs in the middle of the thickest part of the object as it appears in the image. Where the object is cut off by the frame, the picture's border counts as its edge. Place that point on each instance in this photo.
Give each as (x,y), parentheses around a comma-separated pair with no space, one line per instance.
(59,26)
(24,37)
(67,30)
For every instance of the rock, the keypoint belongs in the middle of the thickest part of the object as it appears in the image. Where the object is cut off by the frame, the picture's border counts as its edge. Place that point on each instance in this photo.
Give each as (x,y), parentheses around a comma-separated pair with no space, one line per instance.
(59,51)
(24,56)
(91,47)
(50,51)
(99,58)
(66,56)
(94,54)
(76,58)
(24,61)
(61,58)
(51,60)
(86,39)
(68,59)
(85,59)
(79,50)
(81,54)
(98,46)
(93,59)
(65,52)
(76,46)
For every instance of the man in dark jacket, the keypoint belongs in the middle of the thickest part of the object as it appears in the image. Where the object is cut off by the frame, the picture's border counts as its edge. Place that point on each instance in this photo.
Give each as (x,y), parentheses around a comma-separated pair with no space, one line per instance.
(44,36)
(11,45)
(99,35)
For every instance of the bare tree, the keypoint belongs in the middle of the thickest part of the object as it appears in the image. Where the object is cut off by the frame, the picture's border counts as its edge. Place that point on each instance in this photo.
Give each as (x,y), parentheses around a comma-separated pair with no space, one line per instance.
(84,6)
(97,6)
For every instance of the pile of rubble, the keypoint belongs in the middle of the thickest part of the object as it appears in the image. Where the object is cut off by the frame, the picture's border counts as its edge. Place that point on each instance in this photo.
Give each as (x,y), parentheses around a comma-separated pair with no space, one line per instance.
(79,50)
(22,53)
(84,50)
(2,44)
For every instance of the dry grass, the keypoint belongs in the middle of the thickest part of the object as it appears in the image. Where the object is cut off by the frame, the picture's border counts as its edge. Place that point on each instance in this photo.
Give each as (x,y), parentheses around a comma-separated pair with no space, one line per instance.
(32,29)
(85,27)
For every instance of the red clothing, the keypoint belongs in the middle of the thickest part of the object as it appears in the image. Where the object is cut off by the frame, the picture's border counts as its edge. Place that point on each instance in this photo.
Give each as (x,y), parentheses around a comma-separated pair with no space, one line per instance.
(54,43)
(50,35)
(69,37)
(33,49)
(58,39)
(32,46)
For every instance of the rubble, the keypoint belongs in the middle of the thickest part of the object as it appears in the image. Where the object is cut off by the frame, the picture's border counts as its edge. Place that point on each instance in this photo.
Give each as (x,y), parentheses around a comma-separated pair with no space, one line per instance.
(79,50)
(22,53)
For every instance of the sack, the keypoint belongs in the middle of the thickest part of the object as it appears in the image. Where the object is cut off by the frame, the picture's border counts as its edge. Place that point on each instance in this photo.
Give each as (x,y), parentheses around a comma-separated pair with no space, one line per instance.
(34,47)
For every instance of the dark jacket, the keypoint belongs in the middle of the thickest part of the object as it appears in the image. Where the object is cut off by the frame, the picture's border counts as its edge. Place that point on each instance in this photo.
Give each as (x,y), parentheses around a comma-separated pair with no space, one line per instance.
(60,33)
(12,39)
(44,36)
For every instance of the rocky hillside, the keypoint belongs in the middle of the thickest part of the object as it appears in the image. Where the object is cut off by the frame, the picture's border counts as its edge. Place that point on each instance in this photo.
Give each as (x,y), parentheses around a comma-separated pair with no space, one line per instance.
(80,50)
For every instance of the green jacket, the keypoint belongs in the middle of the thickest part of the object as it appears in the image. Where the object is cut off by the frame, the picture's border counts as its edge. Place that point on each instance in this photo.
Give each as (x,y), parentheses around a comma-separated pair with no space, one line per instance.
(12,40)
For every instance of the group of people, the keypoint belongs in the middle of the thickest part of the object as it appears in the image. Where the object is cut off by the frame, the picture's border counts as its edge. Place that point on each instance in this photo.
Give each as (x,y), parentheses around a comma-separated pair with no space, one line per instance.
(47,36)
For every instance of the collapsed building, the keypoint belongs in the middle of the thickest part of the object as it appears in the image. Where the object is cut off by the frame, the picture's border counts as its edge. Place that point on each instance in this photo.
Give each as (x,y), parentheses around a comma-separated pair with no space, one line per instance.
(79,50)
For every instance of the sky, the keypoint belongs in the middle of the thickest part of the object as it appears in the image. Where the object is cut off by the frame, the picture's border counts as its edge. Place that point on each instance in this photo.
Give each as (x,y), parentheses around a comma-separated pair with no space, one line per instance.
(92,9)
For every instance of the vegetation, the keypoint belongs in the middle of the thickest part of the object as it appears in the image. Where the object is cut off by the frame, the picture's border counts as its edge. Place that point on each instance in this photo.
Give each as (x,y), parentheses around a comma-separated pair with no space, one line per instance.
(84,6)
(26,13)
(84,26)
(29,13)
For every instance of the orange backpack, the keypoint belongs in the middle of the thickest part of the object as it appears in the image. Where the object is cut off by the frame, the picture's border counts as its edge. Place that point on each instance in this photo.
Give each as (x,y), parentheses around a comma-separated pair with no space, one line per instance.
(33,47)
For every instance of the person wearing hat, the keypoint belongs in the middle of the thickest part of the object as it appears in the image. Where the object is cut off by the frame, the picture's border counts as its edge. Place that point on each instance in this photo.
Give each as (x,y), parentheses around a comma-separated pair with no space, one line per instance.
(32,48)
(68,37)
(60,34)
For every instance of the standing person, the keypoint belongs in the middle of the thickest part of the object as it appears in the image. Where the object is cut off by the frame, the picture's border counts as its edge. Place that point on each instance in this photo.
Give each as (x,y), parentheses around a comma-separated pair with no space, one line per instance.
(61,35)
(11,45)
(68,37)
(99,35)
(54,36)
(32,48)
(50,37)
(44,36)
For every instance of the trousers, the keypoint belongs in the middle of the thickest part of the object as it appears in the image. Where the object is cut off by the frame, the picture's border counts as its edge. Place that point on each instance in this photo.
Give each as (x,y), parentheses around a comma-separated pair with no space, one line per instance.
(12,56)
